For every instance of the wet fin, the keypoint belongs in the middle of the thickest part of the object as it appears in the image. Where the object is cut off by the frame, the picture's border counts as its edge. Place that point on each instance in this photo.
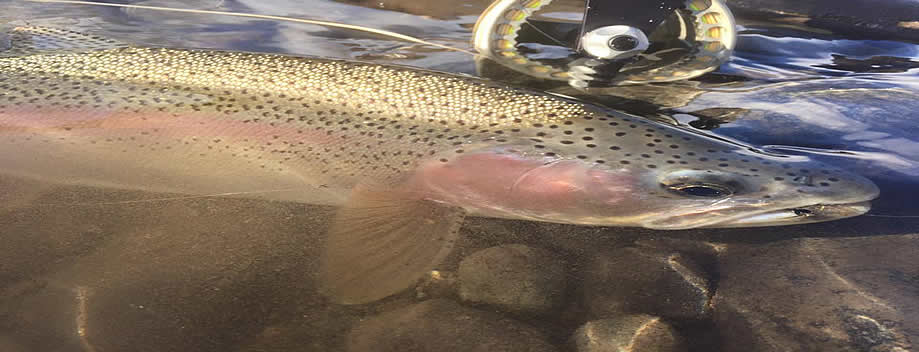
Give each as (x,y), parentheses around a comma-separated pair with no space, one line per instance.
(382,242)
(27,40)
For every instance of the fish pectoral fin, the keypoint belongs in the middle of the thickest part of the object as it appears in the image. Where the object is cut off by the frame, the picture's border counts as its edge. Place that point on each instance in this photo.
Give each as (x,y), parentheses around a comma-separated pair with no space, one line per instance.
(27,40)
(383,241)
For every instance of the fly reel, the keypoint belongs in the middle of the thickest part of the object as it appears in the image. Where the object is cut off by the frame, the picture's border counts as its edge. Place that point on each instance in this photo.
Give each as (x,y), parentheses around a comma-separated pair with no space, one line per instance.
(616,42)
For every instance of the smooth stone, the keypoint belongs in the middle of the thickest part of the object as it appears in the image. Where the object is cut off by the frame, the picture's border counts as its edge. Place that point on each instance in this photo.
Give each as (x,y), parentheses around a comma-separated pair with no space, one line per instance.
(702,252)
(442,325)
(513,277)
(633,280)
(820,294)
(629,333)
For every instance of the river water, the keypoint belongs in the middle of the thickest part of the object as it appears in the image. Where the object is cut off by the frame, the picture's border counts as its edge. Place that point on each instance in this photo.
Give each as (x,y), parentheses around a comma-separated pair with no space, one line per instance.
(218,274)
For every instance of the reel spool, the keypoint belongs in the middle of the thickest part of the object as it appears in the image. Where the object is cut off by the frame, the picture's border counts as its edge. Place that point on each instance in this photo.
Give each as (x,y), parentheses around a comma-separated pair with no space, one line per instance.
(615,43)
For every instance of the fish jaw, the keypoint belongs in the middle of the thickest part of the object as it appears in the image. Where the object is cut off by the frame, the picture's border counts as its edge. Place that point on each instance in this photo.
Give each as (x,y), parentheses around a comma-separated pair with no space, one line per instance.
(801,215)
(733,216)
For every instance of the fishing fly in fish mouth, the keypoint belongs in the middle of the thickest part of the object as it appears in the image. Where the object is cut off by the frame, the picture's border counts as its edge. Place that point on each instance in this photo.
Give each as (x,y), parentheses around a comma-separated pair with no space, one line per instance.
(405,153)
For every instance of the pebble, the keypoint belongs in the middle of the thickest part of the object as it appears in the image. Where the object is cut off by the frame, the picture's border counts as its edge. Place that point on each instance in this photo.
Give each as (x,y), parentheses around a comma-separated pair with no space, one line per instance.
(440,325)
(513,277)
(633,280)
(628,333)
(820,294)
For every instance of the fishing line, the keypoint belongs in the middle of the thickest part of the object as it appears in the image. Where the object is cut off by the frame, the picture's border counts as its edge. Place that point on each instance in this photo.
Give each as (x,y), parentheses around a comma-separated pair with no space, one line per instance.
(268,17)
(893,216)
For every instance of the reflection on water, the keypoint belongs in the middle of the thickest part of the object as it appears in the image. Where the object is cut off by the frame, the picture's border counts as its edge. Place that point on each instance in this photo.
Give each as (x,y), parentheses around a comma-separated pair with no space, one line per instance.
(90,269)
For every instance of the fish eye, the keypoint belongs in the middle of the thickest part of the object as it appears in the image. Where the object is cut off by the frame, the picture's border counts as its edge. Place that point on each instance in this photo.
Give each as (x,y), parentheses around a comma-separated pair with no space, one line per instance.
(802,212)
(702,183)
(700,190)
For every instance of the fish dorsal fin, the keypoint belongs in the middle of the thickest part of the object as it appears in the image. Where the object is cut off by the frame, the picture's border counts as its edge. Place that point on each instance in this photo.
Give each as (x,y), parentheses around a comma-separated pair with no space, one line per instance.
(27,40)
(383,241)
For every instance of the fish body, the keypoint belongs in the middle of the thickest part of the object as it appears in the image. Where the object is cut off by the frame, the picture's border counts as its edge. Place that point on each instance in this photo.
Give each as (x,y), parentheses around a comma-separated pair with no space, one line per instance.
(202,121)
(383,142)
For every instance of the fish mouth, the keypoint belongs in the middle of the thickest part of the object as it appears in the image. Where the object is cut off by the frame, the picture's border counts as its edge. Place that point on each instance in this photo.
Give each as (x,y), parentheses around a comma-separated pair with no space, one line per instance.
(800,215)
(748,216)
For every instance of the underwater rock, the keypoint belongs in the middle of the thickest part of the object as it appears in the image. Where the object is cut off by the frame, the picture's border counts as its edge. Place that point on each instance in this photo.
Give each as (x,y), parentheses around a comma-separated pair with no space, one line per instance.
(704,253)
(442,325)
(197,275)
(514,277)
(628,333)
(632,280)
(306,324)
(820,294)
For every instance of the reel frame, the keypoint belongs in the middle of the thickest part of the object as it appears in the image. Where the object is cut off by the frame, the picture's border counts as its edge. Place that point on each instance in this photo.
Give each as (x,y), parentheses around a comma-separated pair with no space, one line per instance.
(649,42)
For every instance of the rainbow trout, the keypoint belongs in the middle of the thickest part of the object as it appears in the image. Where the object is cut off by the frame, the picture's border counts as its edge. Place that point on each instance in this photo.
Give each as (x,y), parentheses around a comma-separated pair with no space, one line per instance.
(405,153)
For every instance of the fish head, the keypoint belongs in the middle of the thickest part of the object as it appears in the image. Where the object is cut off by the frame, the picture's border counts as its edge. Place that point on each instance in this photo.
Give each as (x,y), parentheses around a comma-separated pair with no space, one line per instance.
(783,191)
(728,187)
